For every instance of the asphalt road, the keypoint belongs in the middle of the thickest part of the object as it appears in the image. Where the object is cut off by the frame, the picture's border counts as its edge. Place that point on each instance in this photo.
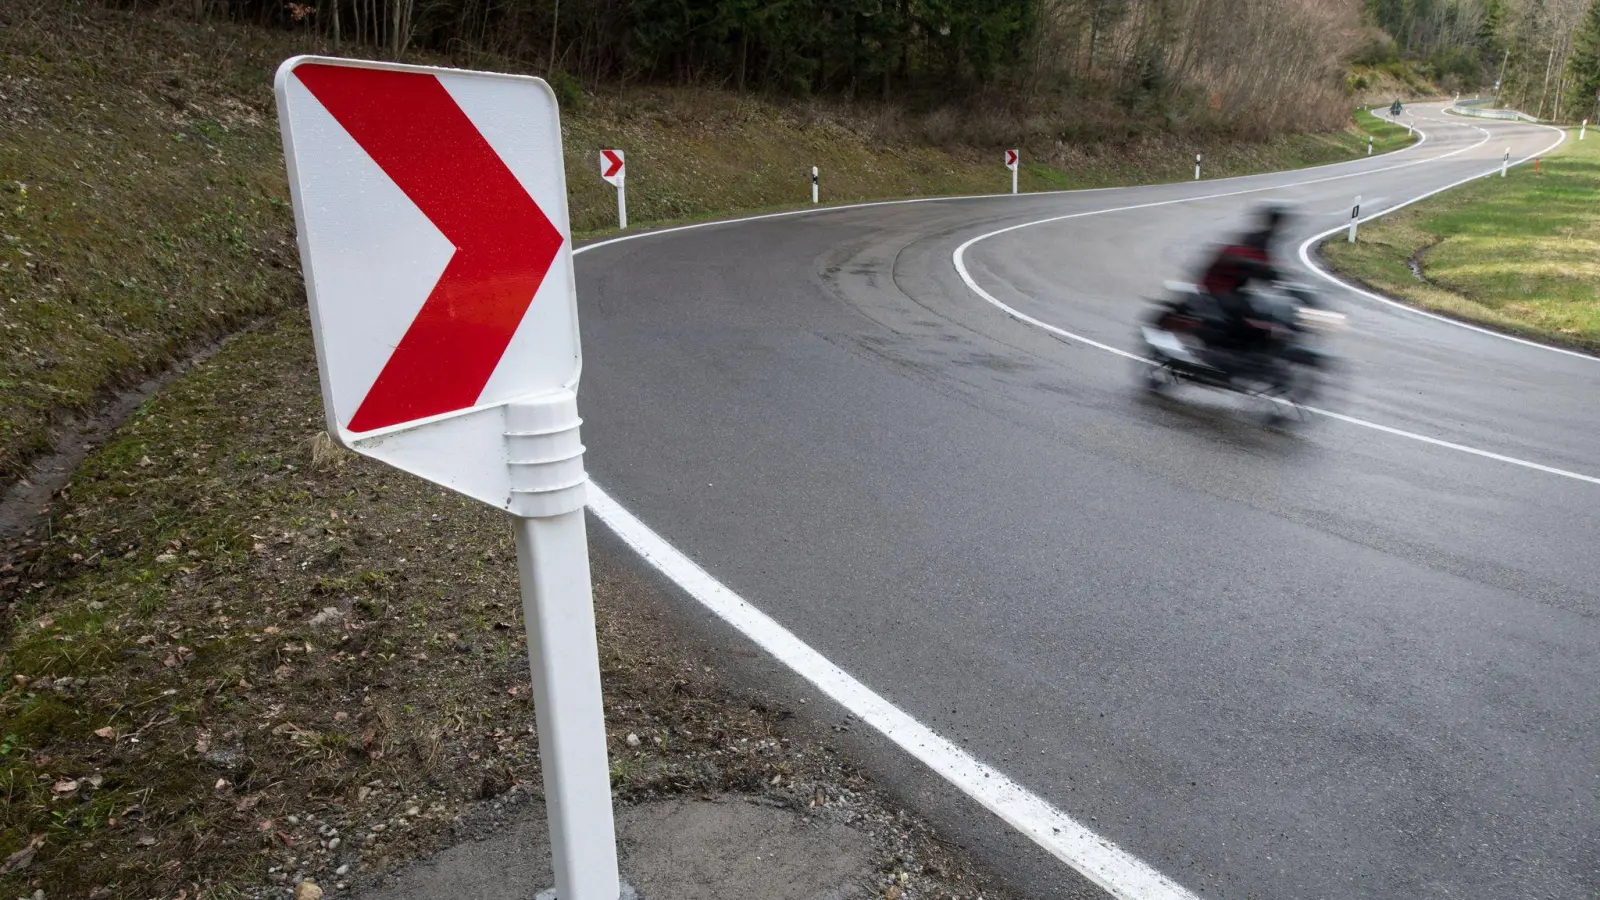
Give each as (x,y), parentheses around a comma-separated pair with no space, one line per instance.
(1335,662)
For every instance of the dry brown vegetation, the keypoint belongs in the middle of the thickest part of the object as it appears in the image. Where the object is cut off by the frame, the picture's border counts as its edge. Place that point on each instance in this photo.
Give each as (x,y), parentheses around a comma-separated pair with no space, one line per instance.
(244,656)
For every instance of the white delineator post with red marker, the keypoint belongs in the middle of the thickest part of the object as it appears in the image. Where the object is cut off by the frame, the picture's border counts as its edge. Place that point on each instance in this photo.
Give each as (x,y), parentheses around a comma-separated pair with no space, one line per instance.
(614,169)
(1013,158)
(431,208)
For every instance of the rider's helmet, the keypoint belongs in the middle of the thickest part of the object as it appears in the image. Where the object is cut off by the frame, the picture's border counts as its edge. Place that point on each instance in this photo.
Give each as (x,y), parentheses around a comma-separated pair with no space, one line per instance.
(1275,215)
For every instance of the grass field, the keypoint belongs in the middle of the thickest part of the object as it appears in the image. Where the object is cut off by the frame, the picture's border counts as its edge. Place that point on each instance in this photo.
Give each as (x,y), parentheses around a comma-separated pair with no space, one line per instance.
(1520,253)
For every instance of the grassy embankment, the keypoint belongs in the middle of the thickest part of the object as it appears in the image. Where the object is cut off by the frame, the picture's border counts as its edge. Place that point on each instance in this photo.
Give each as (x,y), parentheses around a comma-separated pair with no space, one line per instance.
(225,623)
(1516,253)
(143,207)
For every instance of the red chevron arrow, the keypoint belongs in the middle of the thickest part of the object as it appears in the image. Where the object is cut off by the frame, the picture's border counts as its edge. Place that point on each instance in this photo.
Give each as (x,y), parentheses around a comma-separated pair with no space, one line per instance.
(613,162)
(1011,157)
(412,128)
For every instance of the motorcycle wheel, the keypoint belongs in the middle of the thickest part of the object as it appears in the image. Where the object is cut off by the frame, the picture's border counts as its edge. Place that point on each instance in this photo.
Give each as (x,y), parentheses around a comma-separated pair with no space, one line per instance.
(1155,379)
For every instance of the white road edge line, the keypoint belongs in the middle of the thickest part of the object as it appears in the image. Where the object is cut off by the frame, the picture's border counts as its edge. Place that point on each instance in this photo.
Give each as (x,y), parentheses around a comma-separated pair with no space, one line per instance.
(1305,258)
(1118,872)
(1422,138)
(1102,862)
(958,258)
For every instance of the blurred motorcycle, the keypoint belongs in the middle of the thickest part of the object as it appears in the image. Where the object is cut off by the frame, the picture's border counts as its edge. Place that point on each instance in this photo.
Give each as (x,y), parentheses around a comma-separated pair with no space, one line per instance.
(1281,358)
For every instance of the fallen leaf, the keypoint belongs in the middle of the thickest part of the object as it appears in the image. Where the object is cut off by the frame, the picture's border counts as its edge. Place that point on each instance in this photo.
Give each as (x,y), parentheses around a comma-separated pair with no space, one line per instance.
(271,629)
(66,786)
(145,463)
(96,780)
(223,784)
(146,840)
(107,732)
(340,716)
(21,859)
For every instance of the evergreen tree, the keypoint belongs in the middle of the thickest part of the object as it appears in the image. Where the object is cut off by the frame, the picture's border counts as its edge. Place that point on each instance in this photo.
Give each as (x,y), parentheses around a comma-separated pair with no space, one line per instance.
(1584,64)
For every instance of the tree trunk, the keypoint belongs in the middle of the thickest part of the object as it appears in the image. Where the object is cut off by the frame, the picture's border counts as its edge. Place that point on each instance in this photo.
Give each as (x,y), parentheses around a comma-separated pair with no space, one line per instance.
(744,55)
(1545,92)
(555,32)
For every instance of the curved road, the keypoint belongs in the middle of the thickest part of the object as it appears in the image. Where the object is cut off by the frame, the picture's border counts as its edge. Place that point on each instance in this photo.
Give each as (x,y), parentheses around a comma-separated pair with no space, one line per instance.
(1340,662)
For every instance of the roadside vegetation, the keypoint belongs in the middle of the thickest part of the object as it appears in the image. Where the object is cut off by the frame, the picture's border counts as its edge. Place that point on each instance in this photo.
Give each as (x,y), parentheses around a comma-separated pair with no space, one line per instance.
(246,657)
(1516,253)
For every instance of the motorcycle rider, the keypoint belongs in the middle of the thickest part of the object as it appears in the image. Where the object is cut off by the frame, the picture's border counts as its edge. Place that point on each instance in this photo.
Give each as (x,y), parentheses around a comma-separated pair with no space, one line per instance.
(1236,269)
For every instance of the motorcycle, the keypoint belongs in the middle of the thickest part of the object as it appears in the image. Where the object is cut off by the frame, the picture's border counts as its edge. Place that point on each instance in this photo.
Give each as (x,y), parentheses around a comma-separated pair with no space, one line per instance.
(1284,363)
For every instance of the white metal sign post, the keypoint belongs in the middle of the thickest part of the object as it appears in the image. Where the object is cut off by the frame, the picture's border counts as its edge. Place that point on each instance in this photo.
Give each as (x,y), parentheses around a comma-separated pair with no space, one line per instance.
(813,184)
(1197,167)
(1355,215)
(1505,162)
(431,207)
(1369,145)
(614,169)
(1013,158)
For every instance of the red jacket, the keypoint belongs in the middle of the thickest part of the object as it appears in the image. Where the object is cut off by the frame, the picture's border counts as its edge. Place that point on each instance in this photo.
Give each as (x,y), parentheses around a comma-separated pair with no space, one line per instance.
(1239,263)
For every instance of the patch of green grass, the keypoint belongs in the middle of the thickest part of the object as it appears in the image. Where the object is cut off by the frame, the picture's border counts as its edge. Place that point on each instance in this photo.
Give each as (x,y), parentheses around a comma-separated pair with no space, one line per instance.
(1517,253)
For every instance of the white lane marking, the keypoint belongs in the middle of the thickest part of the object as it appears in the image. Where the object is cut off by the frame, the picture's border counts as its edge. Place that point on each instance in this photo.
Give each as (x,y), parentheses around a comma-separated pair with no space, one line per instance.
(958,258)
(1463,448)
(1305,258)
(1120,873)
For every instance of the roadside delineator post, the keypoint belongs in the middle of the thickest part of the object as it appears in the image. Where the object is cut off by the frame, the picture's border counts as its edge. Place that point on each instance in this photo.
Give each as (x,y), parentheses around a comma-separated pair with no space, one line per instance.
(1013,162)
(1355,217)
(814,194)
(465,373)
(1369,145)
(1197,167)
(614,169)
(1583,129)
(1505,162)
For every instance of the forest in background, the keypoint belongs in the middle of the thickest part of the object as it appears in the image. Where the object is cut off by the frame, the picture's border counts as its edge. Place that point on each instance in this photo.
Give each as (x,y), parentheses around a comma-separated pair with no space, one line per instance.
(1245,68)
(1545,54)
(1242,68)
